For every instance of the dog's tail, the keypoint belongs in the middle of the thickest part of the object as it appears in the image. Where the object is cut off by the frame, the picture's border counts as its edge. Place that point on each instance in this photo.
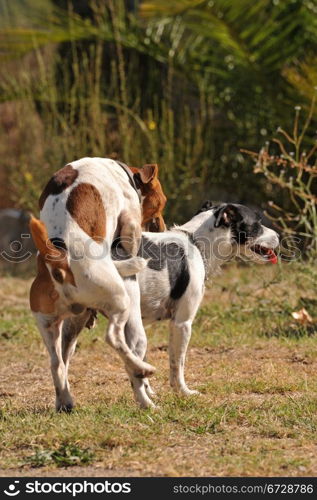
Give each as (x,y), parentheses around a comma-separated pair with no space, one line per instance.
(56,256)
(40,237)
(129,267)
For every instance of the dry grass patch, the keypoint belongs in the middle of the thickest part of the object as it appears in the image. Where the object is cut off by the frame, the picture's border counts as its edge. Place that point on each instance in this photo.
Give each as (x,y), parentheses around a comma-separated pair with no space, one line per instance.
(255,367)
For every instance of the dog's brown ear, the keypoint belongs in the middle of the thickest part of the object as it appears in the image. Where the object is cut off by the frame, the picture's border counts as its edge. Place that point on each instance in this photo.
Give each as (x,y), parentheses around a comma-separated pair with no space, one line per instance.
(40,237)
(148,173)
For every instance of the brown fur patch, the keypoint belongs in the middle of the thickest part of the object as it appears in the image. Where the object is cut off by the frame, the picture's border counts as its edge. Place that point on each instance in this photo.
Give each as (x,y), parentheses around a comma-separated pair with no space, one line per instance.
(43,294)
(54,256)
(58,183)
(86,207)
(153,206)
(154,197)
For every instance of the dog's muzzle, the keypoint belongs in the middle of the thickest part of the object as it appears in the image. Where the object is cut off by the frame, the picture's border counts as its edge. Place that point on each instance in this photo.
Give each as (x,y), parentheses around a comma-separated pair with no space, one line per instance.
(155,225)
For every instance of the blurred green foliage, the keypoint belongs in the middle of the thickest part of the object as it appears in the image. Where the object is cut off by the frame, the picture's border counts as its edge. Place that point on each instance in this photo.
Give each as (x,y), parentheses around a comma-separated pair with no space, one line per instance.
(185,84)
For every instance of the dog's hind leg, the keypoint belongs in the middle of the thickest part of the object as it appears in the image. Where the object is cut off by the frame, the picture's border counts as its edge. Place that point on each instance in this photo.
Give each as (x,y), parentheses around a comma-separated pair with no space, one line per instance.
(140,350)
(115,337)
(141,386)
(50,327)
(72,327)
(137,341)
(180,333)
(117,309)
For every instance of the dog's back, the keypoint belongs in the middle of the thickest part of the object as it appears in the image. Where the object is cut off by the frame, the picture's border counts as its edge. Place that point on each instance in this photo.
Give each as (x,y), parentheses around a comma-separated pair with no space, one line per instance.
(85,198)
(173,272)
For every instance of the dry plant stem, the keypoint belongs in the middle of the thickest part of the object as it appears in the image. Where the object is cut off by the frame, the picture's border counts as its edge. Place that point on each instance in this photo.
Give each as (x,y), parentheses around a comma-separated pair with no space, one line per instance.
(302,221)
(309,118)
(295,134)
(287,136)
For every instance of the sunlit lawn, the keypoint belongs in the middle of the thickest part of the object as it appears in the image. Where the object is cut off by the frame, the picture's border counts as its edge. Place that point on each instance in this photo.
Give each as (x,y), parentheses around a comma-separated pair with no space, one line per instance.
(255,366)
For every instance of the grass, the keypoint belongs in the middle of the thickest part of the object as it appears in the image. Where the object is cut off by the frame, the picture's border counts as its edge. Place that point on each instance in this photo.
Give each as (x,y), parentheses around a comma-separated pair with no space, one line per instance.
(254,365)
(65,456)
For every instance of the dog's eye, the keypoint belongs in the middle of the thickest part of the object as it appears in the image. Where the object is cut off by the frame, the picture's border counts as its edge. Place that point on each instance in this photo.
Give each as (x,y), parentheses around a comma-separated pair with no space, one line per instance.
(254,230)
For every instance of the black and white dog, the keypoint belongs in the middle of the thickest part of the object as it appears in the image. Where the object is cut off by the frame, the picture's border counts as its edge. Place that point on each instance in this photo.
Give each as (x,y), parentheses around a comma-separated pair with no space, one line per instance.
(172,284)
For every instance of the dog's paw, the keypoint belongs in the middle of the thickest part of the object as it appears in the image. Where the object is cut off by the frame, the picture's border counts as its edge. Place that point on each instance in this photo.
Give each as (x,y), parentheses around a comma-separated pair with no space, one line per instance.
(64,408)
(149,391)
(146,403)
(185,391)
(92,320)
(146,370)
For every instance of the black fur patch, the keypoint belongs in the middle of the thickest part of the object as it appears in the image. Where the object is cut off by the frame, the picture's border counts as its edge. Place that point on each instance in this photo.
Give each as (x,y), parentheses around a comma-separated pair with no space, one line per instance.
(60,181)
(117,251)
(58,243)
(171,255)
(131,278)
(179,277)
(161,255)
(243,222)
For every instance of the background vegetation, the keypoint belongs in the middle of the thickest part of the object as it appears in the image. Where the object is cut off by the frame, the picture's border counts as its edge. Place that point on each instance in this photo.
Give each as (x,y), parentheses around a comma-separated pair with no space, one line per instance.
(186,84)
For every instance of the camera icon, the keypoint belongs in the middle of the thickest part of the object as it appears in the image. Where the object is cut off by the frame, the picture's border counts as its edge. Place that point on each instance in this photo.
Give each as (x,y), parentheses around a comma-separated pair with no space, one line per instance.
(13,492)
(15,251)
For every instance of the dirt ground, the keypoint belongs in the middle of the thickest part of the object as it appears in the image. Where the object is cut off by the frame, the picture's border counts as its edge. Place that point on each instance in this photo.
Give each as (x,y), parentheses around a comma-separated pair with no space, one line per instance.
(256,369)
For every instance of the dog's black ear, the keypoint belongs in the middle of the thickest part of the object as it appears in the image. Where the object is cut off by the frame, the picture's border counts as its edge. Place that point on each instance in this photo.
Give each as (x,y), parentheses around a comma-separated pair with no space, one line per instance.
(208,205)
(226,215)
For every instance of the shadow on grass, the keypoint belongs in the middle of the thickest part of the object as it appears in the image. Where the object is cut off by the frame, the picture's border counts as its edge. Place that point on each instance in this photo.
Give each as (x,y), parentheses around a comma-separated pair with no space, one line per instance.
(8,412)
(308,302)
(292,331)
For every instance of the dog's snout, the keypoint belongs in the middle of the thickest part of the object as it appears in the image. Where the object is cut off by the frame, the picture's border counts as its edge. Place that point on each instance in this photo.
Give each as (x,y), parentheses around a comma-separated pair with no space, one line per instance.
(276,240)
(268,238)
(274,237)
(155,225)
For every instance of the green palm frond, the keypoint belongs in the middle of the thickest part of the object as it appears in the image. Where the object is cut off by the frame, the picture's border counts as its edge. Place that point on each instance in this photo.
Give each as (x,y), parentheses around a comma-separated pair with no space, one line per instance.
(24,29)
(262,35)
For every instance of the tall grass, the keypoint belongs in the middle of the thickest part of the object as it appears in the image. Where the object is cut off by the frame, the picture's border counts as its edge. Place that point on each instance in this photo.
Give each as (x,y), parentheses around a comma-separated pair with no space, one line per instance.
(67,115)
(79,100)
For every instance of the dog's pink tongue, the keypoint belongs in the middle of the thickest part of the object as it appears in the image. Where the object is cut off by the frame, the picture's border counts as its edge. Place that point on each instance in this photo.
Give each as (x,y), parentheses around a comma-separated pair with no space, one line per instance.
(272,256)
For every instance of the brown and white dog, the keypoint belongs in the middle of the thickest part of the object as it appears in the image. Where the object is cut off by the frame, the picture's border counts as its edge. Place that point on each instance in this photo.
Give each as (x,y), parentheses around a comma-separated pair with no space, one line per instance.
(83,207)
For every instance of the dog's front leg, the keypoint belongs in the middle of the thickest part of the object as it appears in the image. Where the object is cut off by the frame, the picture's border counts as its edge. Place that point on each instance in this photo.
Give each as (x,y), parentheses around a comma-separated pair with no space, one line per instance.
(180,334)
(50,327)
